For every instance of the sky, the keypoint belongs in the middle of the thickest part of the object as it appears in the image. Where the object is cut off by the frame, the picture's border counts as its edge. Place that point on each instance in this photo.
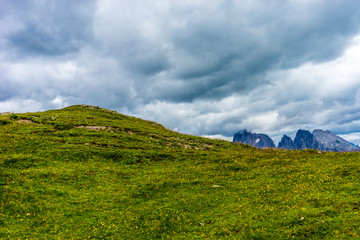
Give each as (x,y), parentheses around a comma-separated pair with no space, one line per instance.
(207,68)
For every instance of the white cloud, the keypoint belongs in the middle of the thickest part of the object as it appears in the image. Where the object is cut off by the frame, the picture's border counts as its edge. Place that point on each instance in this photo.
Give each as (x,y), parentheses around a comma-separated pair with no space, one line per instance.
(264,121)
(352,137)
(221,137)
(21,105)
(313,95)
(205,68)
(59,102)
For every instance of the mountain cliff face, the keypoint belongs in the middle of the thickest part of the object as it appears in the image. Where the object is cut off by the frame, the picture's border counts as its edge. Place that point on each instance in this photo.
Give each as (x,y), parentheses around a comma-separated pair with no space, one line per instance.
(286,143)
(305,140)
(330,142)
(318,139)
(254,139)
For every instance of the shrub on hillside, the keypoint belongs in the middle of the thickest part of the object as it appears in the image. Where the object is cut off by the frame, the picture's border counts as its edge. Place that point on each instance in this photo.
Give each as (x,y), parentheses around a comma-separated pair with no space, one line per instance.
(14,117)
(4,122)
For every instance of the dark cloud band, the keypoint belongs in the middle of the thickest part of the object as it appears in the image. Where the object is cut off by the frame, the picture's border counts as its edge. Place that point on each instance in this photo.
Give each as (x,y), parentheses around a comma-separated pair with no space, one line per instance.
(205,68)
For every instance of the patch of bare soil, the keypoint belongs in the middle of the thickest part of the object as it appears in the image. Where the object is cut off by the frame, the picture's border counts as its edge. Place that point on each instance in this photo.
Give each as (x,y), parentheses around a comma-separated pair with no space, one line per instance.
(24,121)
(95,128)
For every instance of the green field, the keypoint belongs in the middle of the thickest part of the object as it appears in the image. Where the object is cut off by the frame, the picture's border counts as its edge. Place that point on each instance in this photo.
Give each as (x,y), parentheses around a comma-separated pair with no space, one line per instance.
(84,172)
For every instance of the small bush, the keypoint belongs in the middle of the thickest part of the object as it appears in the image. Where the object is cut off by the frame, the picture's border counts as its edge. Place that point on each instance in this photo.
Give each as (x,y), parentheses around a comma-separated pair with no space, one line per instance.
(14,117)
(4,122)
(62,126)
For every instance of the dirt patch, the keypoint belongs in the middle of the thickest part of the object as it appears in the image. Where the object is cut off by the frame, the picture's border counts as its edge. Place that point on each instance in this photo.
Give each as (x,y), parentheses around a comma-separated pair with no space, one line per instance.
(95,128)
(207,145)
(25,121)
(5,113)
(185,146)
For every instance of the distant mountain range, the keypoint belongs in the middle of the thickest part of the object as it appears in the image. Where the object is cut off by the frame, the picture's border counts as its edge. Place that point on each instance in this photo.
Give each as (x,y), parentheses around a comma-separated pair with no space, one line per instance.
(318,139)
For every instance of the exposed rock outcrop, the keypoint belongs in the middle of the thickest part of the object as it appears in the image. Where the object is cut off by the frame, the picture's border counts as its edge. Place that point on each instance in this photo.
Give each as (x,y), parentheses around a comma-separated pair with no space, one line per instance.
(305,140)
(286,143)
(319,139)
(254,139)
(330,142)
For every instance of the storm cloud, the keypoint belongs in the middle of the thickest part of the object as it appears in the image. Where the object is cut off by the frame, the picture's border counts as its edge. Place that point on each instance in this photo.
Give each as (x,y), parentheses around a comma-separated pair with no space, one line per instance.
(198,67)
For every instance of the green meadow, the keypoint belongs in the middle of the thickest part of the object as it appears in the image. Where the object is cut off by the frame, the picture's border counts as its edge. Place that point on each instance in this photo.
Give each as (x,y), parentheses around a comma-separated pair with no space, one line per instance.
(84,172)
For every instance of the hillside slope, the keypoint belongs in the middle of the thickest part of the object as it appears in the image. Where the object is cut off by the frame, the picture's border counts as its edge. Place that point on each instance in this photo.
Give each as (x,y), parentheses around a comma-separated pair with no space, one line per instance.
(83,172)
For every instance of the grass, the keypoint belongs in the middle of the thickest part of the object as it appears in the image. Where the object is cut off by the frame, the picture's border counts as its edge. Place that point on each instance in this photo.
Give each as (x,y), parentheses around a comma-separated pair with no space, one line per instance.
(84,172)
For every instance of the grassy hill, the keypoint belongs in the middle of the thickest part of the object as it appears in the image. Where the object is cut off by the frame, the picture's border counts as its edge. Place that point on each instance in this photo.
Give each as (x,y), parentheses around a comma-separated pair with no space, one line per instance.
(83,172)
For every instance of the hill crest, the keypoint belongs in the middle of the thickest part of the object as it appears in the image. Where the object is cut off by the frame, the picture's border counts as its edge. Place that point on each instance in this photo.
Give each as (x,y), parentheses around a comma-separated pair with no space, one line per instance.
(118,177)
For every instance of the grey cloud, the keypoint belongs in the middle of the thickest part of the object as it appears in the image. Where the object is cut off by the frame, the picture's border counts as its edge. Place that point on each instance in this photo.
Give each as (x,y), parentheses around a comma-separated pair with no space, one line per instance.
(7,90)
(35,41)
(203,67)
(148,64)
(236,49)
(51,28)
(212,50)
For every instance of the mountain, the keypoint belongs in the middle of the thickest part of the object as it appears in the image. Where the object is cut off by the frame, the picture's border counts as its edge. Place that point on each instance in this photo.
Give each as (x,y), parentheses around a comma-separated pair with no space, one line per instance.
(253,139)
(328,141)
(286,143)
(305,140)
(319,139)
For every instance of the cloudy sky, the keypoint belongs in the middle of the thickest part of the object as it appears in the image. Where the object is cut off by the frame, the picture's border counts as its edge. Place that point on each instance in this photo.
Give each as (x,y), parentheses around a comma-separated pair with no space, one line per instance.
(201,67)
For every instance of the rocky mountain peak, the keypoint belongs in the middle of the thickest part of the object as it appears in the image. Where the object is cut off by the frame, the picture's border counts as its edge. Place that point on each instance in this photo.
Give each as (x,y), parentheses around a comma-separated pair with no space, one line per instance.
(318,139)
(330,142)
(305,140)
(254,139)
(286,143)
